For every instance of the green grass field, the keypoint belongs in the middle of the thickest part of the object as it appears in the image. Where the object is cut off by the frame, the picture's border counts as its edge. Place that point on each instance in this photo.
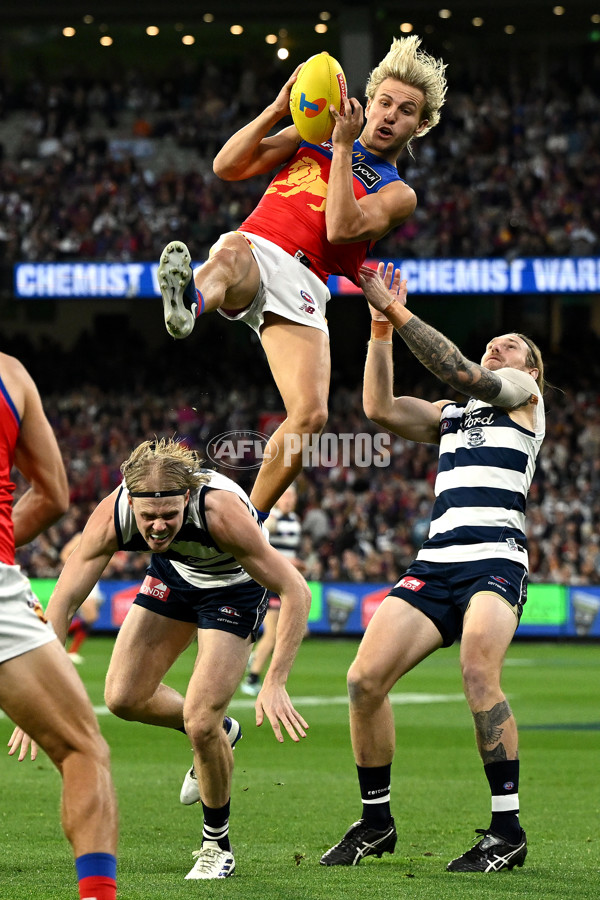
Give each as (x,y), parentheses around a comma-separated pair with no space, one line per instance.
(291,802)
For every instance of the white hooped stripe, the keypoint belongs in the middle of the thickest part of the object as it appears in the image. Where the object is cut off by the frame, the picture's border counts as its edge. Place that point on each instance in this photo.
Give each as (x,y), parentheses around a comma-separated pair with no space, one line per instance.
(505,803)
(382,799)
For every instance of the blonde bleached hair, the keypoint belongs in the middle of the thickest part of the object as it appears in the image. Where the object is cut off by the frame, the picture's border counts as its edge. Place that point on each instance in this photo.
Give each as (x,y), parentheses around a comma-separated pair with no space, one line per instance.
(163,464)
(405,62)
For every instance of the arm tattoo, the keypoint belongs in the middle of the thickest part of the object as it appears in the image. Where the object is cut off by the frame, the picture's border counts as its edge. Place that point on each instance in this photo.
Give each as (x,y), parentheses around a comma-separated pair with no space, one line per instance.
(444,359)
(488,722)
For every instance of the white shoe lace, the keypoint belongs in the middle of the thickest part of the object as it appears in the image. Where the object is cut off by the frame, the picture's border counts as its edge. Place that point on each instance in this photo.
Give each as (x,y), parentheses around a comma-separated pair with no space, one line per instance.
(210,859)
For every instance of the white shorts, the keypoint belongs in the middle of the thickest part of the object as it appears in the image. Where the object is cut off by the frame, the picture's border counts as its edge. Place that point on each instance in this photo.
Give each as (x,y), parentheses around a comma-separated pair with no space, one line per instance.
(22,623)
(287,288)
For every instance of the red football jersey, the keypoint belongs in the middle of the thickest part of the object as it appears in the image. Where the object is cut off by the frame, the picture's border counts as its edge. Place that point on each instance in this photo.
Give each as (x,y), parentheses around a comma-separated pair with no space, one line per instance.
(291,212)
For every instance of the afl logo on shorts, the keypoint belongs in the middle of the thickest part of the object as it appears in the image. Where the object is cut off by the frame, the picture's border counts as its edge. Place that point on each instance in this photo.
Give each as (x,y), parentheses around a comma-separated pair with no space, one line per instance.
(309,304)
(230,611)
(499,579)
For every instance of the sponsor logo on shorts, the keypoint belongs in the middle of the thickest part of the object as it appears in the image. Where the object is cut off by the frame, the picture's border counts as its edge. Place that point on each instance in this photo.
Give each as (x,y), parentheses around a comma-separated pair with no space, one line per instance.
(496,586)
(154,587)
(411,584)
(309,304)
(230,611)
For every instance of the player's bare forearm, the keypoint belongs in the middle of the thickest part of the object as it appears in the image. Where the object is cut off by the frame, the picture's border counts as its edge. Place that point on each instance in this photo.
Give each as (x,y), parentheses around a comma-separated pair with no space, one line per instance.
(250,151)
(442,357)
(291,627)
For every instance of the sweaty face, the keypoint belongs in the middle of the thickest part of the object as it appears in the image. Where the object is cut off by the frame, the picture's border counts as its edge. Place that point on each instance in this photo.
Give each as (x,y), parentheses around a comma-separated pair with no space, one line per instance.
(159,519)
(506,351)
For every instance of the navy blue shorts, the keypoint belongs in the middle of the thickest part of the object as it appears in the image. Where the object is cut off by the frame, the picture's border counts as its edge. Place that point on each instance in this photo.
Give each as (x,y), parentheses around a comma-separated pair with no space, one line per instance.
(238,609)
(443,591)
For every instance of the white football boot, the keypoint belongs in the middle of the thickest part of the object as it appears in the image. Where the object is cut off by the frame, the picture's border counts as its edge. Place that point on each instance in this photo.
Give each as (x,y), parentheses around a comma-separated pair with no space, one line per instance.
(212,862)
(176,283)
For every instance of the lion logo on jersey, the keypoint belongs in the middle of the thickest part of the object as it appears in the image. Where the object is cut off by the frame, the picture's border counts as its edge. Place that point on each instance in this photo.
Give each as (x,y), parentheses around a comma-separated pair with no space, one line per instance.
(303,176)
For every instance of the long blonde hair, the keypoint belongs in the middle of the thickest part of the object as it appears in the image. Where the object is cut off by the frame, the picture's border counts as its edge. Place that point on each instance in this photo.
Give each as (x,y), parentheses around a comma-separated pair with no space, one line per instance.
(534,359)
(405,62)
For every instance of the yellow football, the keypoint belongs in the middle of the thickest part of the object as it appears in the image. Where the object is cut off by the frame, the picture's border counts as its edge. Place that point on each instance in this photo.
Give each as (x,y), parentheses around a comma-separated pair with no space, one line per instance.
(320,83)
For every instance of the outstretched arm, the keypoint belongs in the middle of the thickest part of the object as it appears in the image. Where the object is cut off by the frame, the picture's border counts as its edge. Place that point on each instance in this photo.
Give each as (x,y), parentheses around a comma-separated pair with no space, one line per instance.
(409,417)
(435,351)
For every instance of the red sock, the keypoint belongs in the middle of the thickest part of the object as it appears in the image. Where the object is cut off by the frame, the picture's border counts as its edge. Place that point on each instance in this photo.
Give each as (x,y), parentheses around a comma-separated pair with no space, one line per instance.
(97,876)
(97,887)
(79,631)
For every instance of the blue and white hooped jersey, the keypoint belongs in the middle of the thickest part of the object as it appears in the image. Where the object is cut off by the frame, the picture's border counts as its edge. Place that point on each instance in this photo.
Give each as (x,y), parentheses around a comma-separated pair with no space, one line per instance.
(193,554)
(486,465)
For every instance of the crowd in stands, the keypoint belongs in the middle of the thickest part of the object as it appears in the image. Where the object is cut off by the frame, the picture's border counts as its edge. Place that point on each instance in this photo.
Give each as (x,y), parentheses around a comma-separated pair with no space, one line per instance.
(360,522)
(113,169)
(106,169)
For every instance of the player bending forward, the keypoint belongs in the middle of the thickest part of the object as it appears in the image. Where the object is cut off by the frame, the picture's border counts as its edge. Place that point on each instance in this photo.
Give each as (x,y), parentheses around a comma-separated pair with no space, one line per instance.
(209,568)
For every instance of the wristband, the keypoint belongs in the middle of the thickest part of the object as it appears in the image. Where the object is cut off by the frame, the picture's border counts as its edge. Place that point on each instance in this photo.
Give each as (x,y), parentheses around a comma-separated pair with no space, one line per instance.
(381,331)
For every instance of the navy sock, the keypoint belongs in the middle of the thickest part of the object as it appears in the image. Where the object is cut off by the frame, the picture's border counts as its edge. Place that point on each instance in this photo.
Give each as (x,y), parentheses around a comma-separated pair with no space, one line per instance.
(216,825)
(374,782)
(503,779)
(193,295)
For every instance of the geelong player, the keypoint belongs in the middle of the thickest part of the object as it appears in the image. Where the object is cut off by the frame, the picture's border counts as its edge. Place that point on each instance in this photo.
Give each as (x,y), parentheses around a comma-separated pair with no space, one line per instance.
(39,688)
(469,580)
(324,208)
(209,568)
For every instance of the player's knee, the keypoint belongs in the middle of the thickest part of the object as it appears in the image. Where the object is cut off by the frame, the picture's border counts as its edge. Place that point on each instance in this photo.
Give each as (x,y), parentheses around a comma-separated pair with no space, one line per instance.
(122,703)
(224,257)
(309,419)
(364,688)
(203,730)
(85,747)
(478,680)
(230,257)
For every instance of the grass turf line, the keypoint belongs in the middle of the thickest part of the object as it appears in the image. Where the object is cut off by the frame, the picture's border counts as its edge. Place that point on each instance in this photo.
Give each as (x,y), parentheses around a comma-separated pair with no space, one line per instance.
(291,802)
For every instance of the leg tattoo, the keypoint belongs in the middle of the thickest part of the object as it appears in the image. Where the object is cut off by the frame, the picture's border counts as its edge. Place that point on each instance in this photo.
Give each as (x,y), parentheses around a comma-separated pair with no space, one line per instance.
(489,731)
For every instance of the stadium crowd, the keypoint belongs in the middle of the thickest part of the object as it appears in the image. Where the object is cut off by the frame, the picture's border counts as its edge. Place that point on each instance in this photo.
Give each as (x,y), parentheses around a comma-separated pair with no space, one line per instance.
(112,169)
(360,522)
